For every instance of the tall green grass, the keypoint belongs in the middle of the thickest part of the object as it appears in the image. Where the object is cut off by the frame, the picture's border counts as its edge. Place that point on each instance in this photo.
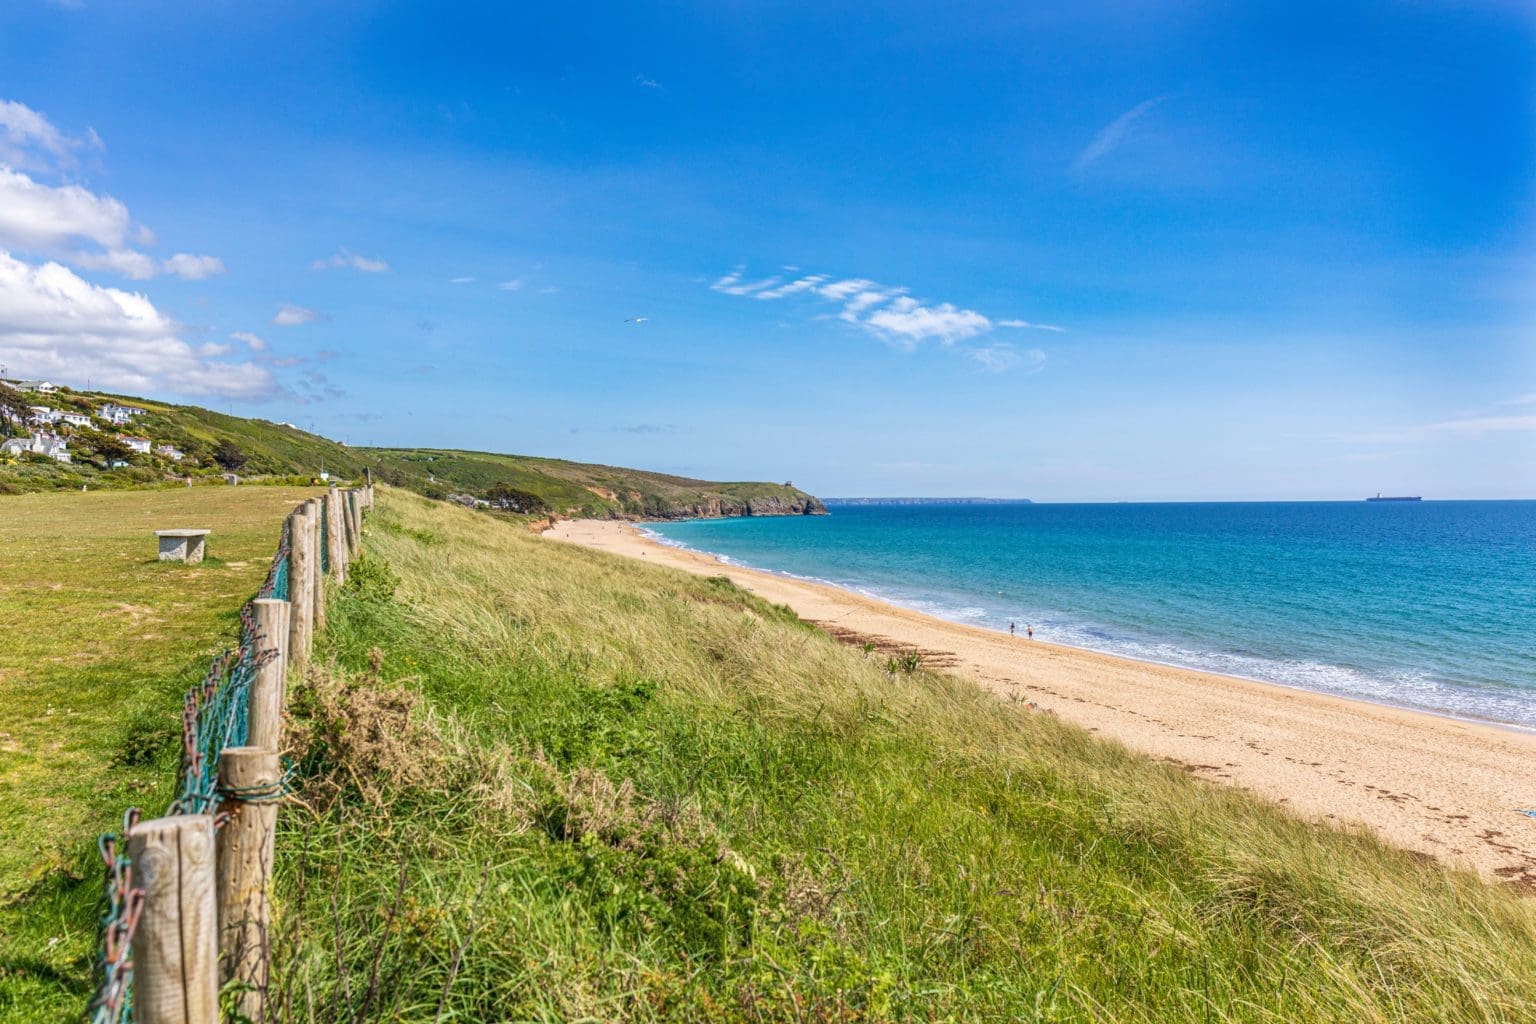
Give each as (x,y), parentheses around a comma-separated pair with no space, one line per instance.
(544,783)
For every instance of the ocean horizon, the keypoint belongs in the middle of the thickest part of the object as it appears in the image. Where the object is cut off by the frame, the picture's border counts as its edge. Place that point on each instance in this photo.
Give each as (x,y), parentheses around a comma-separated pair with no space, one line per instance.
(1424,605)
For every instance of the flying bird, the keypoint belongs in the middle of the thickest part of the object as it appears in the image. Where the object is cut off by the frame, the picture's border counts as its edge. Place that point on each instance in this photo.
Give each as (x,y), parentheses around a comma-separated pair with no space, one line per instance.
(636,319)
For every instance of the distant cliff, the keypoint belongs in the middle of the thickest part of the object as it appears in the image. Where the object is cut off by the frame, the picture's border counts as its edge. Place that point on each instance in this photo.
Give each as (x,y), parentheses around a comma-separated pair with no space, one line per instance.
(796,503)
(834,502)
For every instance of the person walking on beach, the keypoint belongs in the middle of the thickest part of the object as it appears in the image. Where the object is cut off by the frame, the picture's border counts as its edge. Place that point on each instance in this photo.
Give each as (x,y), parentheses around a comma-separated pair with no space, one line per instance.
(1013,629)
(1031,631)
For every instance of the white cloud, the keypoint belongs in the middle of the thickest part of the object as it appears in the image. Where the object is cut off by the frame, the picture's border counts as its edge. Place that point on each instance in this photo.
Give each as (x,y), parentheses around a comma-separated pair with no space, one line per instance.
(800,285)
(43,218)
(55,324)
(731,284)
(130,263)
(647,82)
(1114,133)
(252,342)
(55,221)
(1029,326)
(190,267)
(514,285)
(462,280)
(344,257)
(908,322)
(548,289)
(28,139)
(892,315)
(293,316)
(1001,357)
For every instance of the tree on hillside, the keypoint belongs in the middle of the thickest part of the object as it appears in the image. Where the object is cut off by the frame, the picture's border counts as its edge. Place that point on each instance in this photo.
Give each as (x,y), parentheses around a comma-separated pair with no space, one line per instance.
(504,496)
(104,448)
(229,455)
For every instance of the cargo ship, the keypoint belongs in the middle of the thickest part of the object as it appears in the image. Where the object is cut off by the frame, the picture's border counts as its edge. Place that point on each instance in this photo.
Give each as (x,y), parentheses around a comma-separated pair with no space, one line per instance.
(1395,497)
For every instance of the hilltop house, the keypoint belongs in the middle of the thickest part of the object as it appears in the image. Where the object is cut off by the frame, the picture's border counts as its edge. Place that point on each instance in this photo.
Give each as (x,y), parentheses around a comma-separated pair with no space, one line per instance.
(40,386)
(138,444)
(119,415)
(43,414)
(56,448)
(167,451)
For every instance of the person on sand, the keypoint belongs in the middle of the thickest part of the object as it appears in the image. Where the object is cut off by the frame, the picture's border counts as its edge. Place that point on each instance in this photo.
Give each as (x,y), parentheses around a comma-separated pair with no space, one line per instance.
(1013,630)
(1031,631)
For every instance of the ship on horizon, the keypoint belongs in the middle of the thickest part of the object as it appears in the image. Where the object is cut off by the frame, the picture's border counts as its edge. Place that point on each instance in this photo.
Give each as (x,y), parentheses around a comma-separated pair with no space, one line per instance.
(1395,497)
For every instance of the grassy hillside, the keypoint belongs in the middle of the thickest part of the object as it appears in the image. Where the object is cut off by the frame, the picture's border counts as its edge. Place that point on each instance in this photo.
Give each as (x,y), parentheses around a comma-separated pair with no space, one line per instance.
(538,782)
(580,489)
(98,642)
(214,443)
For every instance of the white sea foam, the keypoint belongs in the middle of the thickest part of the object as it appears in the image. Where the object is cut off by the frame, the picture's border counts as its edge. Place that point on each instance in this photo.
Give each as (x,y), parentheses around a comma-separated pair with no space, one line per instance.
(1407,689)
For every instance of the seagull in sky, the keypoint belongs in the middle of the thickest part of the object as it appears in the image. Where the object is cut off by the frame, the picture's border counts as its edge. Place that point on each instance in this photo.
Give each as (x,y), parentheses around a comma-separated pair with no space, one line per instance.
(636,319)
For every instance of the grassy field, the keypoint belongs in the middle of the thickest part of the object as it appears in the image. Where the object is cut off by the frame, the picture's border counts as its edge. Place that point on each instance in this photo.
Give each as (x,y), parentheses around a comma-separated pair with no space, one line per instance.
(543,783)
(99,641)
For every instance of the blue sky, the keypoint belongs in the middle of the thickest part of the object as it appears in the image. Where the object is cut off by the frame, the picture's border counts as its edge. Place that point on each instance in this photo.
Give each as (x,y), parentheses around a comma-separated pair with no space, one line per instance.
(1117,251)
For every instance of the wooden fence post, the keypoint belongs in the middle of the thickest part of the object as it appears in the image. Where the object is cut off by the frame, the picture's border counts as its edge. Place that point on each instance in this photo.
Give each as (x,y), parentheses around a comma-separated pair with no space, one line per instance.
(316,521)
(250,782)
(335,539)
(301,585)
(266,714)
(175,949)
(355,517)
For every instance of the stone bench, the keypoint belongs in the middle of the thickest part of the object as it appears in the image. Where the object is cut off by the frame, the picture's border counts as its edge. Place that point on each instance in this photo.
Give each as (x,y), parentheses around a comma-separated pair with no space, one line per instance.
(183,545)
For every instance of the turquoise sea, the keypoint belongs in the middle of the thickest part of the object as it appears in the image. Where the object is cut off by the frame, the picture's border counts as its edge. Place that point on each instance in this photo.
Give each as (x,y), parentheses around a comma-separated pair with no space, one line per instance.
(1429,605)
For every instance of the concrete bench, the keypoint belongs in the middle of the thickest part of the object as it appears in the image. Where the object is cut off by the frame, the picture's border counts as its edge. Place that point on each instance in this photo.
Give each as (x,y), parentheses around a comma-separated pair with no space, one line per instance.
(182,545)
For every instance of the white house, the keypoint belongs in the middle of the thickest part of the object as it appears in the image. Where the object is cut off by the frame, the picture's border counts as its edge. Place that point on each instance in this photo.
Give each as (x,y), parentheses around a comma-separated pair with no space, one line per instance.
(56,448)
(41,386)
(138,444)
(77,419)
(43,414)
(119,415)
(174,454)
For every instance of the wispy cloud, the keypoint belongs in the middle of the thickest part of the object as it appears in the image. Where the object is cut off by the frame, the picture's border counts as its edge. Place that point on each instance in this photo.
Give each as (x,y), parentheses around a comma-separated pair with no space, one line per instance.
(647,82)
(462,280)
(1000,357)
(893,315)
(1026,325)
(252,342)
(345,258)
(650,428)
(293,316)
(514,285)
(1464,427)
(1113,134)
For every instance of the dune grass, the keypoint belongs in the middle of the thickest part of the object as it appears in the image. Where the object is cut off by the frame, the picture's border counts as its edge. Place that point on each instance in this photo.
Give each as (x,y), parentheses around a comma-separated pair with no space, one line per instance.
(537,782)
(98,641)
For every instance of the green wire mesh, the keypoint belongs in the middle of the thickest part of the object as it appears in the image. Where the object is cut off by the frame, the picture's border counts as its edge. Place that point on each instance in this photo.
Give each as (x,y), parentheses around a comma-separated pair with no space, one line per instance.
(215,715)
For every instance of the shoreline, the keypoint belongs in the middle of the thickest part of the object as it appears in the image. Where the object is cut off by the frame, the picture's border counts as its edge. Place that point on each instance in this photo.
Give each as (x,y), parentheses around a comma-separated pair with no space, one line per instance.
(1446,786)
(1476,720)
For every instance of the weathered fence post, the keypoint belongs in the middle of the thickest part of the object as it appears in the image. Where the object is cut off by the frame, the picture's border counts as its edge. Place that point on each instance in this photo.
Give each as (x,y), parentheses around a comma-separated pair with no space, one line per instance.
(355,507)
(175,949)
(349,523)
(316,520)
(250,783)
(301,585)
(265,728)
(335,537)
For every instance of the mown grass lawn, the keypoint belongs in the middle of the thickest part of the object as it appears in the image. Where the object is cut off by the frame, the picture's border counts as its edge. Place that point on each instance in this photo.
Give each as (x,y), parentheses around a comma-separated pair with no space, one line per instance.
(542,783)
(98,641)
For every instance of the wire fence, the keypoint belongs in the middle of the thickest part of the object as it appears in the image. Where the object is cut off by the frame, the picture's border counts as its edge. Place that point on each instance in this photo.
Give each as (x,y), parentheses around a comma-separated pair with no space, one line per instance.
(215,716)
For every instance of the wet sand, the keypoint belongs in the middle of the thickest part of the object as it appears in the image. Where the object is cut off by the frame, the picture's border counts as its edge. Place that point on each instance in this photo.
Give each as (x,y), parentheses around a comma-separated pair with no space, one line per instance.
(1444,787)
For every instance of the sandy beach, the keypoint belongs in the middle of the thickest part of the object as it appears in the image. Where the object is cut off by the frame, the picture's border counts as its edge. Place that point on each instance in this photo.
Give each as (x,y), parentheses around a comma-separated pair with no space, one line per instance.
(1448,788)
